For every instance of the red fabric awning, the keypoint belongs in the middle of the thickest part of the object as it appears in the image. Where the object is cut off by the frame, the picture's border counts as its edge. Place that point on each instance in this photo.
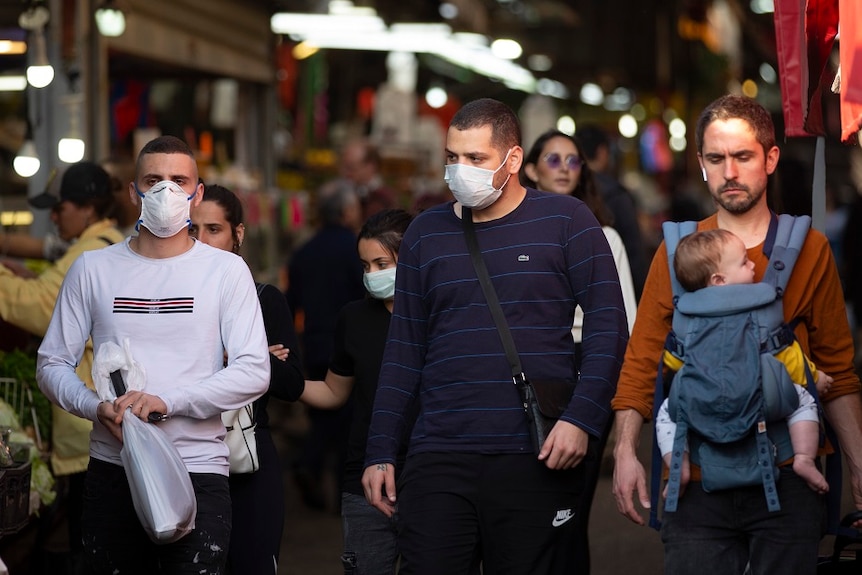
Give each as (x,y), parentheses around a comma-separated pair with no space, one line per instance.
(850,54)
(804,34)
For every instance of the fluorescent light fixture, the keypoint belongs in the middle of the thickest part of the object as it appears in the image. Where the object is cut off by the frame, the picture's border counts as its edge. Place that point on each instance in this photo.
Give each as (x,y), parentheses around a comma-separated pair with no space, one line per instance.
(21,218)
(329,24)
(349,30)
(12,47)
(12,83)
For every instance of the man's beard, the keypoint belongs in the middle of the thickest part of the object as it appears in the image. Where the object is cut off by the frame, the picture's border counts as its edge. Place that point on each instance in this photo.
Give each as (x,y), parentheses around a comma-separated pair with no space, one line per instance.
(739,204)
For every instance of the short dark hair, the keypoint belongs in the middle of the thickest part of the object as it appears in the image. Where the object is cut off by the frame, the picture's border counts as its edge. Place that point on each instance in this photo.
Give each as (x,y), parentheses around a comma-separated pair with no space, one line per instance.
(698,256)
(593,138)
(387,227)
(505,128)
(730,107)
(164,145)
(229,202)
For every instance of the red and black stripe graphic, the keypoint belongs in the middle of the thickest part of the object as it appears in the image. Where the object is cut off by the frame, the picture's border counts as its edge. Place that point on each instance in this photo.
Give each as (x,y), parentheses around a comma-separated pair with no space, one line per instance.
(165,305)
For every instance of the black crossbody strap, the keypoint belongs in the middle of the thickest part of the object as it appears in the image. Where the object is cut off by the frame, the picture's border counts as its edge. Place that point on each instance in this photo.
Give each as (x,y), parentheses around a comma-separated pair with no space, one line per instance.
(491,294)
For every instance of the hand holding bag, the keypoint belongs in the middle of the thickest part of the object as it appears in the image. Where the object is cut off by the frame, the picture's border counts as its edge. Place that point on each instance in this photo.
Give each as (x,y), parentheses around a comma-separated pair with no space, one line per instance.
(161,488)
(545,400)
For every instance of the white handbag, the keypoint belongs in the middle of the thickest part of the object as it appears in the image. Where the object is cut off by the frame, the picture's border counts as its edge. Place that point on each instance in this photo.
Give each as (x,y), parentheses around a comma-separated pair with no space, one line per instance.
(240,439)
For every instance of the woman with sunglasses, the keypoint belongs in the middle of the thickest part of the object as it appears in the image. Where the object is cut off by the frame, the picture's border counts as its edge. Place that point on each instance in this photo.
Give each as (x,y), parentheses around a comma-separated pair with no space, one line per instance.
(257,499)
(556,163)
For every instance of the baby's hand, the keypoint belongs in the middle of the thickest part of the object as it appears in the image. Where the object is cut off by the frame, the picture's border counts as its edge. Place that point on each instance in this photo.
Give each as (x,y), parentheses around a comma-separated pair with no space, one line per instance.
(824,382)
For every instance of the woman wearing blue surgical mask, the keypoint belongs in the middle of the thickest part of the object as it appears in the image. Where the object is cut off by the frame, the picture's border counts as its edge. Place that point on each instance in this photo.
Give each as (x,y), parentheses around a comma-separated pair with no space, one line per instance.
(360,337)
(257,499)
(556,163)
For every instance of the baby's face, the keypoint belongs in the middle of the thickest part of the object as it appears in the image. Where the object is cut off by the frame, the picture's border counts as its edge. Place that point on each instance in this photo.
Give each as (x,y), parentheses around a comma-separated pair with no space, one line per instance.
(735,265)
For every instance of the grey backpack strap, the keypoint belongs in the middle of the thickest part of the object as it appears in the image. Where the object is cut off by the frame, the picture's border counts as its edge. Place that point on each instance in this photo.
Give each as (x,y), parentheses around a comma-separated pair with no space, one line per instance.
(673,232)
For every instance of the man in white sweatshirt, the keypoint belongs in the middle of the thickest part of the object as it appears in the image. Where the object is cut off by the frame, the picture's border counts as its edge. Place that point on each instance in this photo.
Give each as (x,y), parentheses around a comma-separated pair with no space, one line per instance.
(184,307)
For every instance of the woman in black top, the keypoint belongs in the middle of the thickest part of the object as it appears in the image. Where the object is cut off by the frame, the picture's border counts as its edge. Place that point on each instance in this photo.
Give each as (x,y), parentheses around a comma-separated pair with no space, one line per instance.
(257,498)
(369,536)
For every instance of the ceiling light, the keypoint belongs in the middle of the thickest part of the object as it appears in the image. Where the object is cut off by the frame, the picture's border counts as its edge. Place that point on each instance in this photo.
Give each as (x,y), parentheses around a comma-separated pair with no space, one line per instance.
(436,97)
(110,19)
(767,73)
(71,148)
(26,163)
(676,128)
(592,94)
(506,48)
(539,62)
(40,76)
(762,6)
(448,11)
(13,83)
(12,47)
(566,124)
(627,126)
(40,73)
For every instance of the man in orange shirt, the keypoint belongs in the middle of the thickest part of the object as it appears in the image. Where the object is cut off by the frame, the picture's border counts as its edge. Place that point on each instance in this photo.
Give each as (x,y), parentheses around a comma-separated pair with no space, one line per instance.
(722,532)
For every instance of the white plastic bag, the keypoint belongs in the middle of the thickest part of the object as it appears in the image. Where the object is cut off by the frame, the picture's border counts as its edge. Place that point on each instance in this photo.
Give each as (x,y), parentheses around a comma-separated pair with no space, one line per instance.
(161,488)
(240,439)
(111,357)
(160,484)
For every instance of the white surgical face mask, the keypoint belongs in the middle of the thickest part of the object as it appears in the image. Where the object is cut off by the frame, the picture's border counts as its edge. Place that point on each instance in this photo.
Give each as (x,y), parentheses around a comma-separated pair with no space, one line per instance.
(474,187)
(380,284)
(164,209)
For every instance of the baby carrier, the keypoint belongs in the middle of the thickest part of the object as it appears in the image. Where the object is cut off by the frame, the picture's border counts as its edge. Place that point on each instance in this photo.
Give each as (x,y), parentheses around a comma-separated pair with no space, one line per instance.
(731,396)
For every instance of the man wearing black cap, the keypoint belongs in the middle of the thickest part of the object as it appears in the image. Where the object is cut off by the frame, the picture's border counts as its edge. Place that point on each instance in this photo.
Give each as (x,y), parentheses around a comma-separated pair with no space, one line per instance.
(81,214)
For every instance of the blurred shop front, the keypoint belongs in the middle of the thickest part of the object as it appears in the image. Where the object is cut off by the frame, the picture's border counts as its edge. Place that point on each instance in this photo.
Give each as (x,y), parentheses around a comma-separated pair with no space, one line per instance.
(202,71)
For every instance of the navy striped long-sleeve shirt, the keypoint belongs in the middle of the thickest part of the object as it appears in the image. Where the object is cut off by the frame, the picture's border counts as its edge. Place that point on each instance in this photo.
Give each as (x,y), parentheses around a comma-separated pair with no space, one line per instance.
(443,350)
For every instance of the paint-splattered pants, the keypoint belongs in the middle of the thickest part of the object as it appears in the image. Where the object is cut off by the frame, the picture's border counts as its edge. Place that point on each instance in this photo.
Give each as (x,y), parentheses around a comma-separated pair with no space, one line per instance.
(116,544)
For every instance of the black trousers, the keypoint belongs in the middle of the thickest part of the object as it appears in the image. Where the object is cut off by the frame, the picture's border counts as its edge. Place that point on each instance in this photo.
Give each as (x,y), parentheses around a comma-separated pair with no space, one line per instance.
(116,544)
(508,511)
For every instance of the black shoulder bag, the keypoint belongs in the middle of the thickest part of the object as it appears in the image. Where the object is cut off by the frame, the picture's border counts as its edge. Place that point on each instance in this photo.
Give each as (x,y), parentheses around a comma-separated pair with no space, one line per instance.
(544,401)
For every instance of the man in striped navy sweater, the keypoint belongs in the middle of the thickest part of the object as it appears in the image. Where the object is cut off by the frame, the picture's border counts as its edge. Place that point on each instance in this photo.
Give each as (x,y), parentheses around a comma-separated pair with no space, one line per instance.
(472,488)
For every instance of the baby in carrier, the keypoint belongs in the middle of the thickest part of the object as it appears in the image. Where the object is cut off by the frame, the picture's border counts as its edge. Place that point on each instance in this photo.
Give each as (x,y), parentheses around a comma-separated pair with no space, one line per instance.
(718,257)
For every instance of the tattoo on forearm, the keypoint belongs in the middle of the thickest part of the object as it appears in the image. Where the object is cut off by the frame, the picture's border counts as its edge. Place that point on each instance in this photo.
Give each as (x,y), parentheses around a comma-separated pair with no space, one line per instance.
(381,467)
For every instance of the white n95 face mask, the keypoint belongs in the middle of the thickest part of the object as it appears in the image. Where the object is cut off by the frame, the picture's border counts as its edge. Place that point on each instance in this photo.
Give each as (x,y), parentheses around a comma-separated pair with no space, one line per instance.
(474,187)
(165,209)
(380,284)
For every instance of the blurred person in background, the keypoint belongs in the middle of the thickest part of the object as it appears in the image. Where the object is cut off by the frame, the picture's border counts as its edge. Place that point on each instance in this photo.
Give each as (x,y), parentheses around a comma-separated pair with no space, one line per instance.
(618,199)
(257,499)
(556,164)
(81,212)
(360,165)
(323,275)
(370,546)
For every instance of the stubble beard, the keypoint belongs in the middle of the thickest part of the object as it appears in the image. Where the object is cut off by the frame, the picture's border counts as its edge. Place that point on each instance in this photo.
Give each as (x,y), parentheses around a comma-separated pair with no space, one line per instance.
(739,204)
